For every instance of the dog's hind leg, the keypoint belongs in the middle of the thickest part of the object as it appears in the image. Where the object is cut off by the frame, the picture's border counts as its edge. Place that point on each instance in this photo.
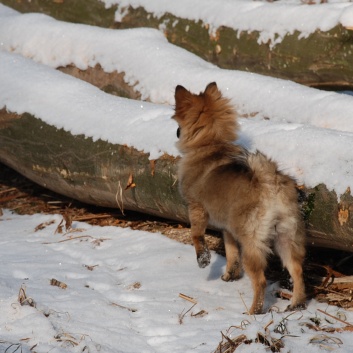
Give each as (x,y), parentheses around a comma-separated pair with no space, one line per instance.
(234,269)
(255,262)
(291,250)
(198,220)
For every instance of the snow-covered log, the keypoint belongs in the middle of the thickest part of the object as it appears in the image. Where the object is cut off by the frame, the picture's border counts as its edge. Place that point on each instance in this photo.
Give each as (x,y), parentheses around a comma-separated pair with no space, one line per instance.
(309,44)
(113,175)
(94,172)
(79,141)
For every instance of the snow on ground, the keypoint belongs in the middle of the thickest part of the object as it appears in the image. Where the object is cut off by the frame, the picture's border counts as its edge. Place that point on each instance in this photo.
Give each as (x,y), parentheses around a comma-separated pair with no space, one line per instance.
(129,300)
(291,121)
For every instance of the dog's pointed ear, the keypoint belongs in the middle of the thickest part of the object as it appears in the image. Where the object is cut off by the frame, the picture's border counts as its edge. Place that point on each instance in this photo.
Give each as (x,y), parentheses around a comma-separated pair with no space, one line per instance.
(211,88)
(180,93)
(212,91)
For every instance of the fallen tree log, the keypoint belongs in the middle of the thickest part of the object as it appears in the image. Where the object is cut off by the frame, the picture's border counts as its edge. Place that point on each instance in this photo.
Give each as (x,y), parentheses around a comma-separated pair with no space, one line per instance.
(318,60)
(98,173)
(111,175)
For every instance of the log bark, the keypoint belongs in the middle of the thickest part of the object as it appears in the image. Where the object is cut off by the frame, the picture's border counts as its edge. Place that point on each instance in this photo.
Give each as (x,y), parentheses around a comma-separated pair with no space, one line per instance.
(105,174)
(97,173)
(320,60)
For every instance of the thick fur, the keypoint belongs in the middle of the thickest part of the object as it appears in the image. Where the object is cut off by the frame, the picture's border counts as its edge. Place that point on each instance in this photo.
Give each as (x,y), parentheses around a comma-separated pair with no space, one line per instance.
(243,194)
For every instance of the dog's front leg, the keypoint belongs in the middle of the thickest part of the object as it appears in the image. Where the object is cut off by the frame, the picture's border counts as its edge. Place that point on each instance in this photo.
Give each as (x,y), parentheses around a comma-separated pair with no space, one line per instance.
(198,220)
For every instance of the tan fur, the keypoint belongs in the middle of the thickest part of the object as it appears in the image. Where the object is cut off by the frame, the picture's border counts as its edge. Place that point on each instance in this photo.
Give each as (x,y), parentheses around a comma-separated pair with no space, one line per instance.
(241,193)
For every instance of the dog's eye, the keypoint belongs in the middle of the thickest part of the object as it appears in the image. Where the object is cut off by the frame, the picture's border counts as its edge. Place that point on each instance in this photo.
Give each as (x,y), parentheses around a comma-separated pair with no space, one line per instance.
(178,132)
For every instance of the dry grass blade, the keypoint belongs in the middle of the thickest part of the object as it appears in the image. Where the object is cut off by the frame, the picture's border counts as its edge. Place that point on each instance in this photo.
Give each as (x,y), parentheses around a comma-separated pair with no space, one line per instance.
(246,307)
(335,317)
(16,347)
(229,345)
(89,217)
(66,338)
(59,228)
(71,238)
(23,299)
(325,341)
(7,190)
(182,315)
(11,197)
(274,344)
(124,307)
(318,328)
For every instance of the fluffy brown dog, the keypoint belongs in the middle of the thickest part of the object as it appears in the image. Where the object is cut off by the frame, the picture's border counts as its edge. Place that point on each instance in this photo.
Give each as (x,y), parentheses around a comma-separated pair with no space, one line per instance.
(241,193)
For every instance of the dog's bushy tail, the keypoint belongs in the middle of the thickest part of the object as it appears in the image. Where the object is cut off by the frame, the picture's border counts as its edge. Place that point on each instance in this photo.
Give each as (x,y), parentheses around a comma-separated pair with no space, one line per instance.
(264,169)
(266,172)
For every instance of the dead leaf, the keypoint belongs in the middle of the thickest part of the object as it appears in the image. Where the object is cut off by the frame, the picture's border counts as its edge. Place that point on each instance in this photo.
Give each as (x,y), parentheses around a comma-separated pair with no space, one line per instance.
(201,313)
(59,228)
(43,225)
(55,282)
(130,183)
(343,216)
(152,166)
(68,220)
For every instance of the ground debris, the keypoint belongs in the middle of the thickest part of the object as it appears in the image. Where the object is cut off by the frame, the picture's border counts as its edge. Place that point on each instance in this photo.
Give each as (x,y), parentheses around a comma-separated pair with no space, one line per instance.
(335,289)
(55,282)
(23,299)
(330,271)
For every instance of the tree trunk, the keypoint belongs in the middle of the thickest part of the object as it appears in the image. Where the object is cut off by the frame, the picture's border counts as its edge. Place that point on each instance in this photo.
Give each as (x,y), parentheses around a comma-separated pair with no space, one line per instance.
(110,175)
(320,60)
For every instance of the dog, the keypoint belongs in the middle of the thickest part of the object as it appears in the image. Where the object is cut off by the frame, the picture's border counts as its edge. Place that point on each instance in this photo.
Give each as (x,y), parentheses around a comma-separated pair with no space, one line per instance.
(241,193)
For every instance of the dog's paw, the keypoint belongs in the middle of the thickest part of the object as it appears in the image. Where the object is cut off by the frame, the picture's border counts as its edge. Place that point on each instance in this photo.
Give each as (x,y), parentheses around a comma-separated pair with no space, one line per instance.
(229,277)
(204,258)
(296,307)
(232,274)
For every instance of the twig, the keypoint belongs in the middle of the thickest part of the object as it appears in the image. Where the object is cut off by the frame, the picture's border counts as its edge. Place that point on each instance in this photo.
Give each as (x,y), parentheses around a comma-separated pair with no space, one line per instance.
(182,315)
(119,192)
(7,190)
(90,217)
(269,324)
(11,197)
(73,238)
(246,307)
(186,297)
(334,317)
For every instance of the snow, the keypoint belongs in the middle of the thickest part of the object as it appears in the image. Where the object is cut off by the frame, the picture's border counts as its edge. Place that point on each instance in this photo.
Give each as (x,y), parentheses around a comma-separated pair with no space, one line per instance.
(133,270)
(307,131)
(249,16)
(290,121)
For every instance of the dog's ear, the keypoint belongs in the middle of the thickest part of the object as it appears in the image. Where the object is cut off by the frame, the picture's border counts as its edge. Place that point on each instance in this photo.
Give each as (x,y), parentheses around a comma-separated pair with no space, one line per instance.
(212,88)
(181,94)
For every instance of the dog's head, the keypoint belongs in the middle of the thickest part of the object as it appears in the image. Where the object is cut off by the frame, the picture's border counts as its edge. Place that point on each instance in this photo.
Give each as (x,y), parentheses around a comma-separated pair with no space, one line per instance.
(204,119)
